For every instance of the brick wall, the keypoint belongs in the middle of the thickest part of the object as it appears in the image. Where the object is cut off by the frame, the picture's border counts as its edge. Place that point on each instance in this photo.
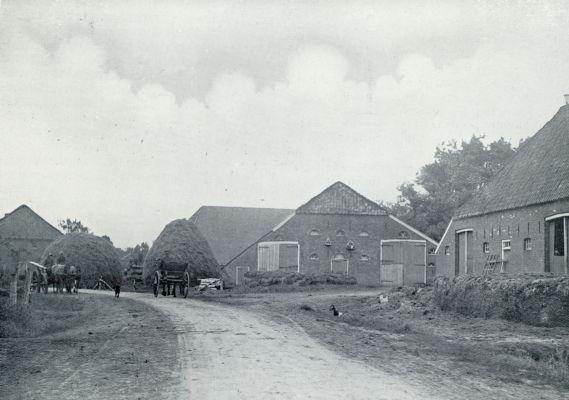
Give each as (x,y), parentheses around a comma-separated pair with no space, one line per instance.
(514,225)
(363,260)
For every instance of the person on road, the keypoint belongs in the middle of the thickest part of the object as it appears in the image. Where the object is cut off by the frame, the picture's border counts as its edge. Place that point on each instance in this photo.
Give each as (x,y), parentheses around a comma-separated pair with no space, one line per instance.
(49,261)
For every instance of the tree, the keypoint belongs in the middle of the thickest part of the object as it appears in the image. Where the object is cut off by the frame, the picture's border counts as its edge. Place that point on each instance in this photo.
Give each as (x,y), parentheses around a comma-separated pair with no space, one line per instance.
(442,186)
(137,253)
(69,226)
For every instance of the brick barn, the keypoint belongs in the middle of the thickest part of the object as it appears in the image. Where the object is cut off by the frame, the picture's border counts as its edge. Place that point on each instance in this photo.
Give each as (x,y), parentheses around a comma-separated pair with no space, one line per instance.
(338,230)
(519,221)
(24,235)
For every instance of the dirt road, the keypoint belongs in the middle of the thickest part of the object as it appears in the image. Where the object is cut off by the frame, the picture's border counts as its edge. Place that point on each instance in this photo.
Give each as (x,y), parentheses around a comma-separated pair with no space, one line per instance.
(231,353)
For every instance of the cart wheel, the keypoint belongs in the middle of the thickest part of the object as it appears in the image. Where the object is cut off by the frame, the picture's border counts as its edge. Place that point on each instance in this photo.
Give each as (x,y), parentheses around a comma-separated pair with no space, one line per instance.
(156,283)
(186,284)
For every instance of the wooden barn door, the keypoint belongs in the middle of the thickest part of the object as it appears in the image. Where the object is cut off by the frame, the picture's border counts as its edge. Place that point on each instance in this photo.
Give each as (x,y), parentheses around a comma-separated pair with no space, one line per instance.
(464,253)
(402,262)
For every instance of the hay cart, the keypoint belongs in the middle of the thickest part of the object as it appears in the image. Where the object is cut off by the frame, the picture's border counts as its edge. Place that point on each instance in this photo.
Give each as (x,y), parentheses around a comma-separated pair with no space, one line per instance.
(171,275)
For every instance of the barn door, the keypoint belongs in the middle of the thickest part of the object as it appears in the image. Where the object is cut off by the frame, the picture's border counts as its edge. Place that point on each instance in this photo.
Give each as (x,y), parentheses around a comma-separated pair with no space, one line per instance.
(464,253)
(403,262)
(239,274)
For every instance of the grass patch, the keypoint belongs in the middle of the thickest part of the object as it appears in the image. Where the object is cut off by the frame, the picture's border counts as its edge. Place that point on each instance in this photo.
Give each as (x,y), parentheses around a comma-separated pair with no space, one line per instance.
(45,314)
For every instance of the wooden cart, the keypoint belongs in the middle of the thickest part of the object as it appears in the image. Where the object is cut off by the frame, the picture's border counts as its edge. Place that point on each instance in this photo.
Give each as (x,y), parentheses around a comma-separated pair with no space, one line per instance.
(171,275)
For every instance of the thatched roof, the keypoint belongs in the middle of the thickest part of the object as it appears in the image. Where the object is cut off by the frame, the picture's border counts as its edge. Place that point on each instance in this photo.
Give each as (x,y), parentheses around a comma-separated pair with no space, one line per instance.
(339,198)
(94,255)
(179,243)
(230,230)
(538,173)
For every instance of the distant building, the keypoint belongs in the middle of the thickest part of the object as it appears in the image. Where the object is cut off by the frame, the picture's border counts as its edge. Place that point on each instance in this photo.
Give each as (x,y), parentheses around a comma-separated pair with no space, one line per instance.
(337,231)
(521,216)
(24,235)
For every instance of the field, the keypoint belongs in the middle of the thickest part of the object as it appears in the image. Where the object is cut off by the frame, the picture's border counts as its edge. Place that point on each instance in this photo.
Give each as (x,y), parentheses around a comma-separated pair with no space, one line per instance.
(410,337)
(85,346)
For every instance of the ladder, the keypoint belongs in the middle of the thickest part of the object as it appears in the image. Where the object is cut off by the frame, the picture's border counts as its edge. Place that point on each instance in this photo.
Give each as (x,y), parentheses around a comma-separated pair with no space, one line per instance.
(491,262)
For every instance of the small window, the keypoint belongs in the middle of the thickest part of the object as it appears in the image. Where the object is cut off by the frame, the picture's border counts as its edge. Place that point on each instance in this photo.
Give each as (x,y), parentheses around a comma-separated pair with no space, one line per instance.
(506,245)
(339,257)
(403,235)
(350,245)
(314,232)
(314,257)
(486,247)
(328,242)
(432,250)
(364,234)
(364,257)
(527,244)
(340,232)
(447,251)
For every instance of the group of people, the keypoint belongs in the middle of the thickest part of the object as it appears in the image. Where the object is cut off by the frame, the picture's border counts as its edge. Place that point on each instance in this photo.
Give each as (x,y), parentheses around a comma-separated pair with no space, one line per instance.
(50,261)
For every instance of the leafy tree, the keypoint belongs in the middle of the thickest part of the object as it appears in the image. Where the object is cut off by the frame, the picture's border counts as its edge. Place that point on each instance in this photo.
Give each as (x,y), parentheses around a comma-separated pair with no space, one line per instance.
(75,226)
(442,186)
(137,253)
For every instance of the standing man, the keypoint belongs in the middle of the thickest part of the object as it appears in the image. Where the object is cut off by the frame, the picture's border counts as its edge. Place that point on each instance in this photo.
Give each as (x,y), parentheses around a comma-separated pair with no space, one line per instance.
(61,258)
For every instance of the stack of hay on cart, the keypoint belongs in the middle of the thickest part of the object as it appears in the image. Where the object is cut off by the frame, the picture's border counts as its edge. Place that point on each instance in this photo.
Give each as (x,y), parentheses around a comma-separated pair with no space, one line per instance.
(181,243)
(95,256)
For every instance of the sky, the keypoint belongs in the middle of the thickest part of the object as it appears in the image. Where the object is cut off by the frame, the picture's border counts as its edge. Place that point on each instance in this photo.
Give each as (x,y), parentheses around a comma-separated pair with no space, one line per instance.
(127,115)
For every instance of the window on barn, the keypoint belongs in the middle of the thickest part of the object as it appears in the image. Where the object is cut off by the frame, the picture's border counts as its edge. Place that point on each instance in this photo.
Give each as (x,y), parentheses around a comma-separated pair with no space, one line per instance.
(447,251)
(527,244)
(403,235)
(432,250)
(340,232)
(558,238)
(364,257)
(486,247)
(506,245)
(364,234)
(315,232)
(314,257)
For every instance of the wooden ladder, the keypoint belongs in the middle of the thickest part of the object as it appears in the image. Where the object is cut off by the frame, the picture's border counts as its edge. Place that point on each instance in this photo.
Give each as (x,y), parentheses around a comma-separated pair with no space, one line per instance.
(491,262)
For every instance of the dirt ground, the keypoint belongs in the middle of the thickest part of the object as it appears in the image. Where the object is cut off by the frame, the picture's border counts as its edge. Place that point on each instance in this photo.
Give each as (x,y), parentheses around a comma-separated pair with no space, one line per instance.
(228,345)
(448,356)
(118,350)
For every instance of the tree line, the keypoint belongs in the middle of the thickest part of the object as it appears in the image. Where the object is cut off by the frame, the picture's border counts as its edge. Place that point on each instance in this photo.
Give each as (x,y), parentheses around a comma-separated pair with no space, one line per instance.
(442,186)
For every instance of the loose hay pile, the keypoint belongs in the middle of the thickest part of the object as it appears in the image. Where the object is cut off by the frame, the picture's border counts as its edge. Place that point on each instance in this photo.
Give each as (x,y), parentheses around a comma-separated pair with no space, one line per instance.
(536,299)
(254,279)
(179,243)
(94,256)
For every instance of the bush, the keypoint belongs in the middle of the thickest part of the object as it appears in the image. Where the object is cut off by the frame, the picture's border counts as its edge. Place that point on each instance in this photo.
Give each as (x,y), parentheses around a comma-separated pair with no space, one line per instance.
(272,278)
(536,299)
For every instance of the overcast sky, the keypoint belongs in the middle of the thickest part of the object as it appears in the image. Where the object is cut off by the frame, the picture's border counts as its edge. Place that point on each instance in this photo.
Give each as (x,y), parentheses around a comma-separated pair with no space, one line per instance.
(127,116)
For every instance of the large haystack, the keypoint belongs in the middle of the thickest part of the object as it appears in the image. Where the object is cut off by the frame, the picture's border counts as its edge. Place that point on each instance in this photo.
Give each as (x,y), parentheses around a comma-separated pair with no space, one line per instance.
(94,255)
(181,242)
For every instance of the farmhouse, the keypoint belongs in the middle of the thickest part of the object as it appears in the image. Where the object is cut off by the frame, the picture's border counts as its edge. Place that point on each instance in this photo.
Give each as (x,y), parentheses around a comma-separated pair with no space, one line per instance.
(24,235)
(339,231)
(519,221)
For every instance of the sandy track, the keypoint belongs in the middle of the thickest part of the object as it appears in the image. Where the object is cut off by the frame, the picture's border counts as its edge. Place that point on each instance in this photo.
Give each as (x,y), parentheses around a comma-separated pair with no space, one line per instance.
(230,353)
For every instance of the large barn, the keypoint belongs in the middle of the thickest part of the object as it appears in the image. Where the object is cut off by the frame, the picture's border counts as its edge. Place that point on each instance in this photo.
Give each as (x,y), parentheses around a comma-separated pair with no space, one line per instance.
(337,231)
(24,235)
(519,221)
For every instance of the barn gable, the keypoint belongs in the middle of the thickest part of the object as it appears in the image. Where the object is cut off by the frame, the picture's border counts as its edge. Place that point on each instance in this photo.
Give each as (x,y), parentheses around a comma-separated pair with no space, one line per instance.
(230,230)
(24,223)
(339,198)
(537,174)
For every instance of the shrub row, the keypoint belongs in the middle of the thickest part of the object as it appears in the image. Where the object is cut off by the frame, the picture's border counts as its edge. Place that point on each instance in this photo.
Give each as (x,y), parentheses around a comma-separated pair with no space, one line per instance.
(536,299)
(270,278)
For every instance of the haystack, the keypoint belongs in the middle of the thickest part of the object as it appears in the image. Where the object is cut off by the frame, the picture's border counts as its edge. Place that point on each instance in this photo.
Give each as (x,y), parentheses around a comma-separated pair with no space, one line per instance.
(94,255)
(179,243)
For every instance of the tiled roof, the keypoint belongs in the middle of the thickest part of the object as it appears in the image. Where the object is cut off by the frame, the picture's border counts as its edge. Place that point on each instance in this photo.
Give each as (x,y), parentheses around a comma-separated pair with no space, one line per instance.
(24,223)
(339,198)
(538,173)
(229,230)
